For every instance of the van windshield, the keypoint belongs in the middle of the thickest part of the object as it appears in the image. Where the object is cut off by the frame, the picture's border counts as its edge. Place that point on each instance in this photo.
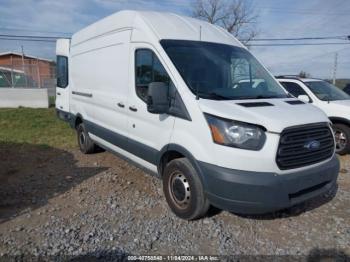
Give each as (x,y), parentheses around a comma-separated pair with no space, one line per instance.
(326,91)
(218,71)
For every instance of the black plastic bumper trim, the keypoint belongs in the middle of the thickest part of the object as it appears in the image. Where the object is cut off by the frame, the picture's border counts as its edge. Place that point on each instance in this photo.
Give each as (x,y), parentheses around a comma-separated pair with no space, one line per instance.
(249,192)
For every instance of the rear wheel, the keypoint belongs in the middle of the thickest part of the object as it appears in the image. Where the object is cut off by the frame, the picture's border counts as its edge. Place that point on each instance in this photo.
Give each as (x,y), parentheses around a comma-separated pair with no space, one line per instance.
(342,136)
(85,143)
(183,190)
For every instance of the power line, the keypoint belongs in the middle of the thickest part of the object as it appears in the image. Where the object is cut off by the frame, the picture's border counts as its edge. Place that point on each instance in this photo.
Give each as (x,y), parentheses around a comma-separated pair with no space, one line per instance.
(310,58)
(298,44)
(28,39)
(33,30)
(301,11)
(32,36)
(54,38)
(342,37)
(280,44)
(327,53)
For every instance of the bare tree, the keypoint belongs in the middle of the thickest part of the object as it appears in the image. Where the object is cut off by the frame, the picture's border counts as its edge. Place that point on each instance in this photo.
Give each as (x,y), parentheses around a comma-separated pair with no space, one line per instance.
(304,74)
(237,16)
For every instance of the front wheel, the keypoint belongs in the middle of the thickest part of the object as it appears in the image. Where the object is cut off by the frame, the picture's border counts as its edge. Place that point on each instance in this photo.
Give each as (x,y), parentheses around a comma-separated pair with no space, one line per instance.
(183,190)
(342,136)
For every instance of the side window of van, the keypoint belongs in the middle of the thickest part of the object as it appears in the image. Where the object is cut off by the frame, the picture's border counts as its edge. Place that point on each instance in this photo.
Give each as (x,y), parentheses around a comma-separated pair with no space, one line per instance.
(148,69)
(62,71)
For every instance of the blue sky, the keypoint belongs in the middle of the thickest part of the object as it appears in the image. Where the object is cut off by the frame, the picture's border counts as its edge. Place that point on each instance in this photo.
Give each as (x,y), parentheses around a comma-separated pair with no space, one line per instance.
(277,19)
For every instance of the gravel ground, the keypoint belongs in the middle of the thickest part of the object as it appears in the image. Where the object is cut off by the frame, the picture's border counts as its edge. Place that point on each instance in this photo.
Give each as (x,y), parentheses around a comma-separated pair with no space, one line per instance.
(56,203)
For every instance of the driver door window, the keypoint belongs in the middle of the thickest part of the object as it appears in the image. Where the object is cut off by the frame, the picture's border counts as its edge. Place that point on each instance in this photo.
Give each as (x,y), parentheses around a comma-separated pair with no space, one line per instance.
(148,69)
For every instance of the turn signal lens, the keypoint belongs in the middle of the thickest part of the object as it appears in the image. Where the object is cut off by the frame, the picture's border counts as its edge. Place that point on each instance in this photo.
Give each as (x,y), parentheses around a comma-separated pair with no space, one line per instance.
(217,136)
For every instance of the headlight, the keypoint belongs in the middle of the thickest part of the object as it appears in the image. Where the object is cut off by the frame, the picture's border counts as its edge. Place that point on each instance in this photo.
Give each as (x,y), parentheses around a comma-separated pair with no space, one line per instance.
(236,134)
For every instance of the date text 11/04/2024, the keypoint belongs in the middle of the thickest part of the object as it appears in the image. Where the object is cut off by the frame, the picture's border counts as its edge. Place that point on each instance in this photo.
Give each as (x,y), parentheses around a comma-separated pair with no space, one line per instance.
(173,258)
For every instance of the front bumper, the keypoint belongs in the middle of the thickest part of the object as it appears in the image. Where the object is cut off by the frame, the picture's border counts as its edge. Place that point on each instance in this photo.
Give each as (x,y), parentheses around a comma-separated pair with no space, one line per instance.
(249,192)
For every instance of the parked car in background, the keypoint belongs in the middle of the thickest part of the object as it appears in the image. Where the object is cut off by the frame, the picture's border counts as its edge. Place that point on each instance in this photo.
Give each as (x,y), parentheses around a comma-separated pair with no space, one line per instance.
(332,100)
(186,100)
(347,89)
(15,78)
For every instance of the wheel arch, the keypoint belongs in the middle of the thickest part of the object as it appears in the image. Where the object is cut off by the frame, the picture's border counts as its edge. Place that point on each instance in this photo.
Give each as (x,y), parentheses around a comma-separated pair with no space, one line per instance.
(173,151)
(341,149)
(77,120)
(339,120)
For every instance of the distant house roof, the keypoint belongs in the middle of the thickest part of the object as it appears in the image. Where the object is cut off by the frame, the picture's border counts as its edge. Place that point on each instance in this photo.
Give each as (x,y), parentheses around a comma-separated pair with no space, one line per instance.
(28,56)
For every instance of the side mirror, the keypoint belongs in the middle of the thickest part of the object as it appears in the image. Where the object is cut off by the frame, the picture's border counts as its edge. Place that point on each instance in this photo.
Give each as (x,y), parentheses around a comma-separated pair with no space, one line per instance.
(304,98)
(158,98)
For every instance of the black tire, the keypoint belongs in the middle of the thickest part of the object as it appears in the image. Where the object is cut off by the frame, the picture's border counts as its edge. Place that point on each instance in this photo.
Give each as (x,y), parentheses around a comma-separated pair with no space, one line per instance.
(85,143)
(342,137)
(183,190)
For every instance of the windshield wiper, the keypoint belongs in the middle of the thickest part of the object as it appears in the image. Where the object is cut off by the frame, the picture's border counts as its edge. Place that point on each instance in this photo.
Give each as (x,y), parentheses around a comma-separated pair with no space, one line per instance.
(244,97)
(214,95)
(256,97)
(266,97)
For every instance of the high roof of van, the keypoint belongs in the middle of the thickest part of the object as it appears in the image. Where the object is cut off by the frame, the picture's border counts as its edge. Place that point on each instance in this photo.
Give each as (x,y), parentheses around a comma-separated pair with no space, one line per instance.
(162,25)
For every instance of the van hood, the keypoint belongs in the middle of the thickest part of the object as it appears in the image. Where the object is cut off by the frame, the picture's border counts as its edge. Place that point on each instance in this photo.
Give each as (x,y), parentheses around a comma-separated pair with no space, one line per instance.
(274,114)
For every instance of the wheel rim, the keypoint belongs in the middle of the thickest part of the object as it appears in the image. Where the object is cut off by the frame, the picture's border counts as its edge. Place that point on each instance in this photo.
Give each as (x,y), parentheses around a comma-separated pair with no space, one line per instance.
(340,140)
(82,138)
(180,190)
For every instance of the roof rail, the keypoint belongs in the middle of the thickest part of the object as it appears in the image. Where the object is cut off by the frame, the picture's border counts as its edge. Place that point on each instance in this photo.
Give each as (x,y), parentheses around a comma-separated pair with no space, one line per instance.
(289,76)
(294,77)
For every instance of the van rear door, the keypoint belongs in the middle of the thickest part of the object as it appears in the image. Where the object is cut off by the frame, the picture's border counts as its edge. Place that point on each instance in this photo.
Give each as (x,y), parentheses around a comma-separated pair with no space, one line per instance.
(62,74)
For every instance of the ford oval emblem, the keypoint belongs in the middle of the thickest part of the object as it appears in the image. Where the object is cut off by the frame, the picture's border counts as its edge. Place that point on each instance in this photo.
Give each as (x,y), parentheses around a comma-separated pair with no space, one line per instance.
(312,145)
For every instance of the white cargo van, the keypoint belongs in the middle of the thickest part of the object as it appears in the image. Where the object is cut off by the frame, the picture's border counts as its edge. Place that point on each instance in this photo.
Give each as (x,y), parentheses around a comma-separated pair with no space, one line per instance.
(184,99)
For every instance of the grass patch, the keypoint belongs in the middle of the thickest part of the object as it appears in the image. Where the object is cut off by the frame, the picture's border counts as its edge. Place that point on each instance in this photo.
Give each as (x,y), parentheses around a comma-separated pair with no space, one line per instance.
(52,101)
(35,126)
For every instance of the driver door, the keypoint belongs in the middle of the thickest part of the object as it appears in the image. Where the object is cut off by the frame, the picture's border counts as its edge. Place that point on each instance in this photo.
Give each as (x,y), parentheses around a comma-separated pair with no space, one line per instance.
(148,133)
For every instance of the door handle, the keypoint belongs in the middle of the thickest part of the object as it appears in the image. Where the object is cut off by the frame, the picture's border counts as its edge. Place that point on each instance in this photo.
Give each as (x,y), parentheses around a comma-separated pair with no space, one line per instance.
(58,93)
(133,108)
(82,94)
(120,104)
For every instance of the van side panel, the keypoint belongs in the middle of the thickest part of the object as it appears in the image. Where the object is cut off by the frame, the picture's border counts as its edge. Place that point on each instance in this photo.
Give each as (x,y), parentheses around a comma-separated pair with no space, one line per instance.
(100,80)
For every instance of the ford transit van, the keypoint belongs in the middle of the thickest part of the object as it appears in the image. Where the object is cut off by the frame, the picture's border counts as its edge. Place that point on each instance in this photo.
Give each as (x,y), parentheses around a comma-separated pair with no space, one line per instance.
(186,100)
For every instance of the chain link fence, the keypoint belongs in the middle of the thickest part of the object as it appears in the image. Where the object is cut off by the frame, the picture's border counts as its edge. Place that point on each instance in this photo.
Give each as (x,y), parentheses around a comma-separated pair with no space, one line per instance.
(38,75)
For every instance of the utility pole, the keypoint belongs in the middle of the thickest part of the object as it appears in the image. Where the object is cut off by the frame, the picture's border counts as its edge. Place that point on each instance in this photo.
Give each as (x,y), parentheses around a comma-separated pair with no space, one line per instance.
(335,68)
(23,68)
(38,72)
(12,80)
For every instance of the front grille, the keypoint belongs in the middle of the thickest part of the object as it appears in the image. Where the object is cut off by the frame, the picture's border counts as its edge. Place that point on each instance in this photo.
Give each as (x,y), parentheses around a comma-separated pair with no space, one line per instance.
(293,150)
